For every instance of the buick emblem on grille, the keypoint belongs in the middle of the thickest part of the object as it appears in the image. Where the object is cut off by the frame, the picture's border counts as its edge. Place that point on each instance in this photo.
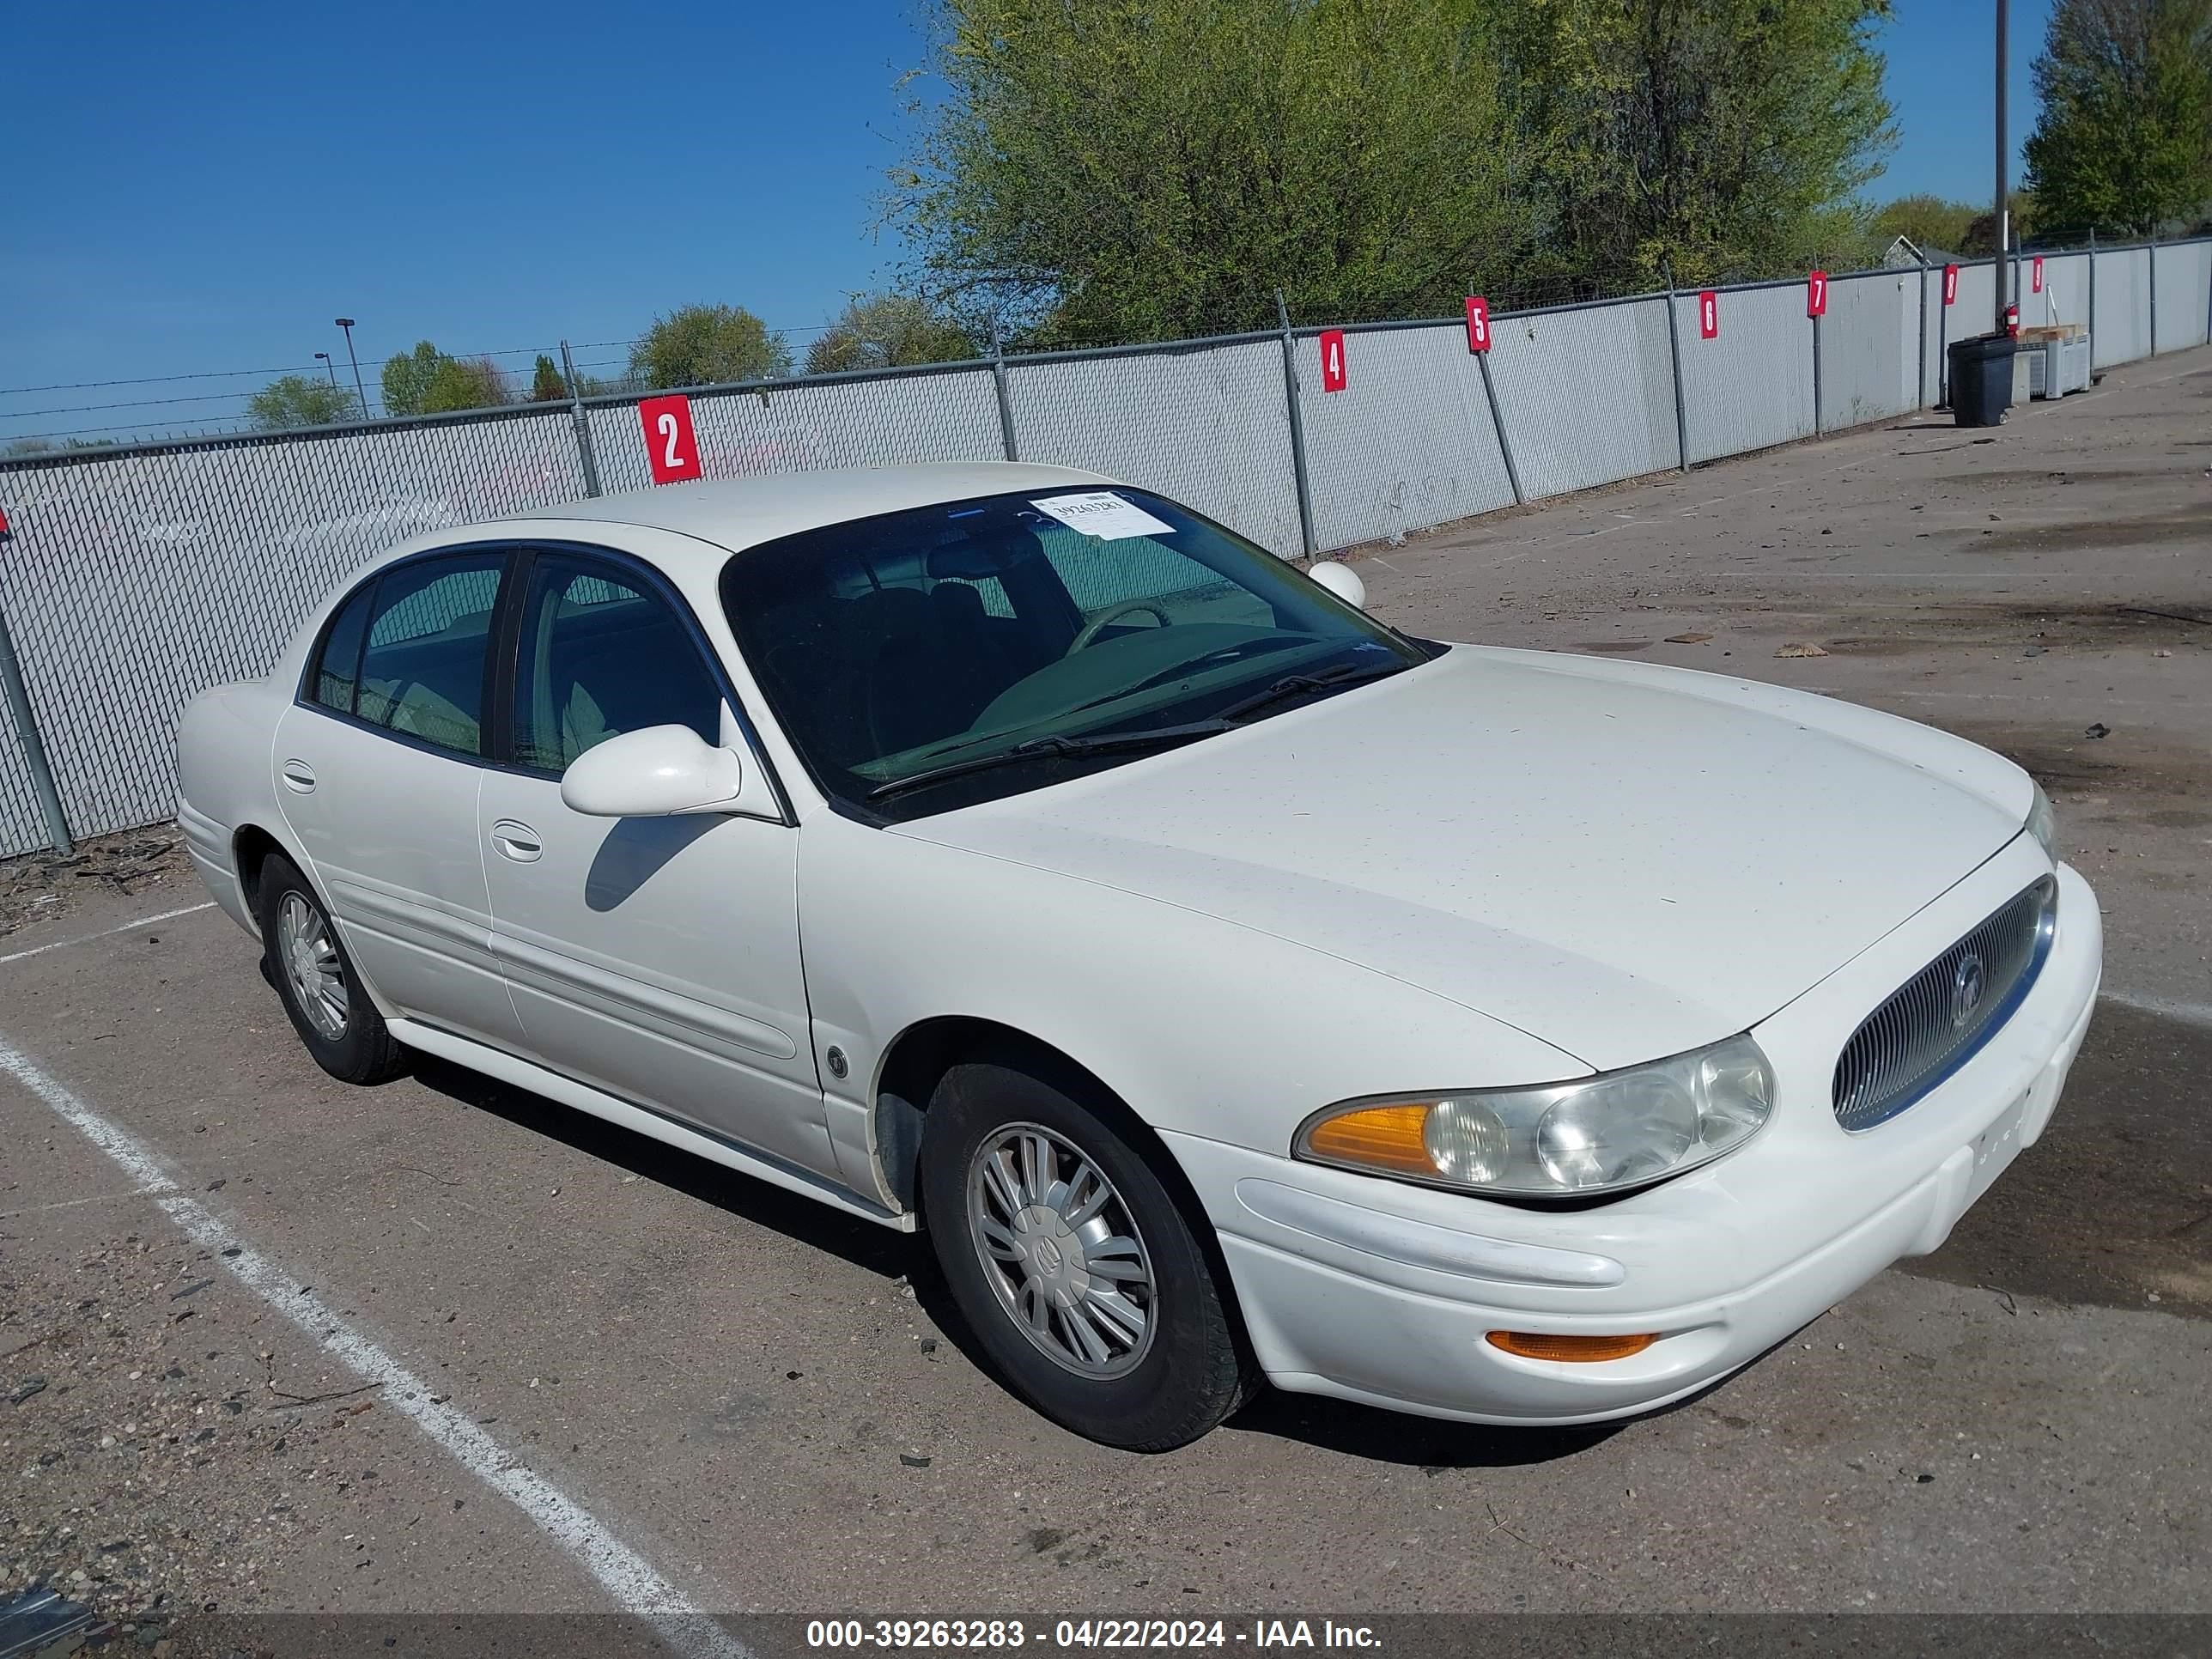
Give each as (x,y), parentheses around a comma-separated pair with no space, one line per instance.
(1967,984)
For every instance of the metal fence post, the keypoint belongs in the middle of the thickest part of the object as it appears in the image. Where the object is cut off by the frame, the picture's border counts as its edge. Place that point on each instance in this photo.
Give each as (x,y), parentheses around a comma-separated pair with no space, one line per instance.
(1498,424)
(1297,427)
(2091,319)
(1943,354)
(2153,352)
(1005,403)
(1920,386)
(1675,354)
(18,699)
(1819,427)
(581,422)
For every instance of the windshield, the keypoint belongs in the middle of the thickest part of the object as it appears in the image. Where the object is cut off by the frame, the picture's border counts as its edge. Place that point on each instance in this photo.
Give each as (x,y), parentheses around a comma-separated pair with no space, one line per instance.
(989,638)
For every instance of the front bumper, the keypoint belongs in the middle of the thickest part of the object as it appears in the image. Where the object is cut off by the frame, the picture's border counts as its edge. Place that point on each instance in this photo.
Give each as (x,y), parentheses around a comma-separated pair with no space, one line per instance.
(1380,1291)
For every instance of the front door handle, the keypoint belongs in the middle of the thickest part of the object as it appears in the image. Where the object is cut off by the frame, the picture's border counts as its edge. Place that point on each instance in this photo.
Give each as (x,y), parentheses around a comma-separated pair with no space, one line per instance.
(517,841)
(299,776)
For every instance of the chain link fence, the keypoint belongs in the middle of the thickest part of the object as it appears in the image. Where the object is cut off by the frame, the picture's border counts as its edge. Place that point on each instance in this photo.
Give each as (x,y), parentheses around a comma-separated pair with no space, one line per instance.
(136,577)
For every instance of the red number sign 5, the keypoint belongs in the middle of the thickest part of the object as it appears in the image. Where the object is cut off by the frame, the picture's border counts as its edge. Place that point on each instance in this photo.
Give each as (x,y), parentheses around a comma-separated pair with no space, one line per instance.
(1478,323)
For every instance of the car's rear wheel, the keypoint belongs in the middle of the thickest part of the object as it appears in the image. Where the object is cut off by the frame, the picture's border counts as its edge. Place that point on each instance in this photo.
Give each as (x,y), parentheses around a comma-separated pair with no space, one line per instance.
(317,983)
(1076,1267)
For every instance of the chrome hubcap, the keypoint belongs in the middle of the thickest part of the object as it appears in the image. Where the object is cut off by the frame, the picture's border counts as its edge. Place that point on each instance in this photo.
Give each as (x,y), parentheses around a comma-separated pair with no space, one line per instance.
(309,956)
(1061,1250)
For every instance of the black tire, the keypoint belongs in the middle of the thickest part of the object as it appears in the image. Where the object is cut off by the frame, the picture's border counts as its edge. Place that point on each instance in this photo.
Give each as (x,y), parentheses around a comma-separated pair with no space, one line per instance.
(1195,1370)
(365,1052)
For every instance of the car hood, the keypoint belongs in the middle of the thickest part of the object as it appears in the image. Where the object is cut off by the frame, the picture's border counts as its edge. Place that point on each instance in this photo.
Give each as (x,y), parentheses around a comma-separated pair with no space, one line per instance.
(1622,861)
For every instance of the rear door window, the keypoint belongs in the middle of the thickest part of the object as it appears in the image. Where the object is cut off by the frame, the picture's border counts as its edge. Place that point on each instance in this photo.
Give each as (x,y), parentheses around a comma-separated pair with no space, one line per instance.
(422,664)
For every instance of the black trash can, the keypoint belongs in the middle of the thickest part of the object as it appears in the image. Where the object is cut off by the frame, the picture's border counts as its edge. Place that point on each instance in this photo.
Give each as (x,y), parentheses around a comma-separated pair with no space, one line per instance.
(1981,378)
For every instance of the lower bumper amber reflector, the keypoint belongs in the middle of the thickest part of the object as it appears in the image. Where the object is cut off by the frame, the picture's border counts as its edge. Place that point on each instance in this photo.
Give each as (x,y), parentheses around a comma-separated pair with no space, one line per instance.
(1537,1344)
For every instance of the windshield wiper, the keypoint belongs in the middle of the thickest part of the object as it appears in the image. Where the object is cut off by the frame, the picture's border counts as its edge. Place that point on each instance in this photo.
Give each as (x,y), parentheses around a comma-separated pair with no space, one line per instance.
(1291,685)
(1055,748)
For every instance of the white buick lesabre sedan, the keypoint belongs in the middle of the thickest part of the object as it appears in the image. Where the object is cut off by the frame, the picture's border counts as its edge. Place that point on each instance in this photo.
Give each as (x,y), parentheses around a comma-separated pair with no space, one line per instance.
(1232,986)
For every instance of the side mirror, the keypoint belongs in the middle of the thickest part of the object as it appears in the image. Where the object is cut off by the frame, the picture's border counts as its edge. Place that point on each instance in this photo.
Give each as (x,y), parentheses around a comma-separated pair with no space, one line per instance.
(657,772)
(1341,579)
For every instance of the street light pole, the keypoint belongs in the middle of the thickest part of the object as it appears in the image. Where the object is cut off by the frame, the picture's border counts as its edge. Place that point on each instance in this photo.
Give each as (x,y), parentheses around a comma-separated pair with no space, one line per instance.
(324,358)
(2003,208)
(346,323)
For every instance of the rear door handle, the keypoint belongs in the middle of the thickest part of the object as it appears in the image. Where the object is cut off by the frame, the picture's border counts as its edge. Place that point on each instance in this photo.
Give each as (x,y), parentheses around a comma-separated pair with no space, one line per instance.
(299,776)
(516,840)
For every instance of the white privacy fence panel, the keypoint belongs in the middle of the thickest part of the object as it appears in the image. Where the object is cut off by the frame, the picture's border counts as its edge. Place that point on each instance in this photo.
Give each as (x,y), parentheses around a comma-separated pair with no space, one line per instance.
(2120,332)
(1409,443)
(1751,386)
(135,581)
(1869,349)
(2184,295)
(136,577)
(805,426)
(1209,427)
(1586,396)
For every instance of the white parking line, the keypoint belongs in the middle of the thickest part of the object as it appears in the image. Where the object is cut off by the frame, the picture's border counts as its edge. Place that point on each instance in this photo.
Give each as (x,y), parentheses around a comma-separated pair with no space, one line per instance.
(119,927)
(628,1578)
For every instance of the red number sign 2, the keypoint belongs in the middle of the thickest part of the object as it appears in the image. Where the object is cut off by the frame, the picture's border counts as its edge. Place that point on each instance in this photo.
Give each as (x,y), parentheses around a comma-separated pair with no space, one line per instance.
(1709,315)
(1332,359)
(1816,294)
(1950,285)
(1478,323)
(672,447)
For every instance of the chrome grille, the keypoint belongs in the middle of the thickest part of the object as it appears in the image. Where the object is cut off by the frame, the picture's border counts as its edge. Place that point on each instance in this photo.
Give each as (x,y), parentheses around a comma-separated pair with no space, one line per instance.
(1933,1025)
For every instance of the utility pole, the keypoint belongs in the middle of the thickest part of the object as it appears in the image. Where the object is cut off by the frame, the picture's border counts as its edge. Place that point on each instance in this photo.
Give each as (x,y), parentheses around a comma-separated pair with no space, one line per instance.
(2003,208)
(346,323)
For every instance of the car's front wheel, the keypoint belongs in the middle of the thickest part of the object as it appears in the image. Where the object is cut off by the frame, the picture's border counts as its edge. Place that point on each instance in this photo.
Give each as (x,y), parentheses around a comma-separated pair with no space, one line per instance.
(321,990)
(1073,1264)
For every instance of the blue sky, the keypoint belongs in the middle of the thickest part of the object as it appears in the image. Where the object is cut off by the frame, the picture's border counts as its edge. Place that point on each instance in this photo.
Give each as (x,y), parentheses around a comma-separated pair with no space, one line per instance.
(199,188)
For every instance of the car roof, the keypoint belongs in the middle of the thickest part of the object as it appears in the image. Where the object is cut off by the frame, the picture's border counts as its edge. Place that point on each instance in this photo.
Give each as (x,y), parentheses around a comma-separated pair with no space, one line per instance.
(739,513)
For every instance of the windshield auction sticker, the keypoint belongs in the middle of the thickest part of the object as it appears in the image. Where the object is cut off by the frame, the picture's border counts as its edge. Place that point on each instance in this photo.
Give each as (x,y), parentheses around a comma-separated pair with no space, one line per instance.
(1102,513)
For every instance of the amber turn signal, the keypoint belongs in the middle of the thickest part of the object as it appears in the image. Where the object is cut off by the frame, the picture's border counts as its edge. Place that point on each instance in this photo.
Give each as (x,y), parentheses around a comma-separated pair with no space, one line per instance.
(1375,1137)
(1538,1345)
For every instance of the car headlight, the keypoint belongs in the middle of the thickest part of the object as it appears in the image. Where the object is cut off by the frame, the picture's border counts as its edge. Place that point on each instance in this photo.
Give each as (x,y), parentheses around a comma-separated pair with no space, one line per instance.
(1594,1135)
(2043,824)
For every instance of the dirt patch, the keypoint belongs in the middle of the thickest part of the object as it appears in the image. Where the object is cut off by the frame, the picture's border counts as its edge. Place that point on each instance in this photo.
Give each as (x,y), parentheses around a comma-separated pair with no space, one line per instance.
(2030,476)
(2113,1205)
(2101,624)
(1615,647)
(2066,762)
(40,887)
(2185,523)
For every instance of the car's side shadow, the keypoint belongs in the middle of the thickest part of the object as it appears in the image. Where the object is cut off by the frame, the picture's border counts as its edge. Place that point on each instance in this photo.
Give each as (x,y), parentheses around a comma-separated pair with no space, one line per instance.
(1336,1425)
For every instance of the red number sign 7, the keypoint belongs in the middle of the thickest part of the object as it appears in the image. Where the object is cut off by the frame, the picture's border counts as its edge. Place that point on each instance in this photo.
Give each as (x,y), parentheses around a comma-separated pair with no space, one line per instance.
(1709,315)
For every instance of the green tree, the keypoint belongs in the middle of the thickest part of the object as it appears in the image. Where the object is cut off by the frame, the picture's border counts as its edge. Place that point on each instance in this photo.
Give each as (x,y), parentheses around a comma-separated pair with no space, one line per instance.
(2122,143)
(546,386)
(1723,138)
(406,378)
(465,383)
(1980,240)
(1930,221)
(301,400)
(708,345)
(888,330)
(1109,170)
